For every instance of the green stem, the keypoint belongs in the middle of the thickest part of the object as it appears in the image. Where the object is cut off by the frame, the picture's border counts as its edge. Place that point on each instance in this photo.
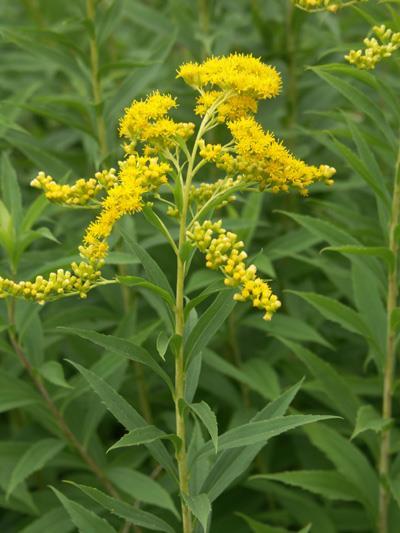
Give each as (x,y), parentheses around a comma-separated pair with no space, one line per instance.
(96,85)
(389,369)
(291,66)
(58,417)
(180,370)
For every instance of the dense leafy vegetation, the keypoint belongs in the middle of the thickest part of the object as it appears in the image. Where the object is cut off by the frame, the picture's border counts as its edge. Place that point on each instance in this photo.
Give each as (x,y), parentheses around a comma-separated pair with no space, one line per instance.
(290,424)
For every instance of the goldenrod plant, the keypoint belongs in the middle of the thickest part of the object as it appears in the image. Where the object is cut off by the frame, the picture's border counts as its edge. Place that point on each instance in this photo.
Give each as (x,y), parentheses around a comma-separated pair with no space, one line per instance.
(183,291)
(163,165)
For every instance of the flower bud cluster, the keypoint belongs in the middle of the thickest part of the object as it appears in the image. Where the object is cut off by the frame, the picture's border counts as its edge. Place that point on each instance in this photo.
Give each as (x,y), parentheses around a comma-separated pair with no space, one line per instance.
(224,251)
(107,178)
(62,282)
(206,191)
(80,193)
(375,49)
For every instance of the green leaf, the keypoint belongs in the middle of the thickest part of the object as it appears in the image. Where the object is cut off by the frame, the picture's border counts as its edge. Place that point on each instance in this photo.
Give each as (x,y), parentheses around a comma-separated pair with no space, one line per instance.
(152,217)
(395,319)
(358,99)
(125,511)
(34,459)
(126,415)
(256,373)
(258,527)
(86,521)
(209,323)
(162,343)
(366,155)
(10,190)
(141,487)
(186,251)
(137,281)
(7,230)
(56,519)
(287,326)
(395,489)
(123,347)
(200,506)
(326,483)
(336,312)
(323,230)
(350,462)
(230,464)
(54,373)
(153,271)
(33,212)
(262,431)
(362,170)
(376,251)
(15,393)
(144,435)
(330,381)
(207,416)
(369,419)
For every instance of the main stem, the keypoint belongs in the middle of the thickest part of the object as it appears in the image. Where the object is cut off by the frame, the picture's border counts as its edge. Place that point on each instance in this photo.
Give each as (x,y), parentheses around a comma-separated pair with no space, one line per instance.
(180,371)
(388,378)
(95,76)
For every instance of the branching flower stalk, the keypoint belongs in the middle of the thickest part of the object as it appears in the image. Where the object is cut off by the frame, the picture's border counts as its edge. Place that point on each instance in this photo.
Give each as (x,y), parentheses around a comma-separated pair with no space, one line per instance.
(162,163)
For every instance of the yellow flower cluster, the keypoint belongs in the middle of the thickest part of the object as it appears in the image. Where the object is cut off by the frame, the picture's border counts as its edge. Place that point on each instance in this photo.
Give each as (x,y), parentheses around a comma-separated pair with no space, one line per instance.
(137,175)
(311,5)
(63,282)
(231,108)
(78,194)
(147,121)
(238,74)
(224,251)
(324,5)
(260,158)
(375,50)
(202,193)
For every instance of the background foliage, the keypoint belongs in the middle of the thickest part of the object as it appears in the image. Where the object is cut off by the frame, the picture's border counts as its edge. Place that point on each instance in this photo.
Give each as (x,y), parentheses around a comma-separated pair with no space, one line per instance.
(59,110)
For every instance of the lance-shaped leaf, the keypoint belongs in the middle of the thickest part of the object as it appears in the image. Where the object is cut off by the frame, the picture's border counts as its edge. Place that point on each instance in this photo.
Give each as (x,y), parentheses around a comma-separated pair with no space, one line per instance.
(35,458)
(262,431)
(123,347)
(125,511)
(209,323)
(207,416)
(126,415)
(145,435)
(83,519)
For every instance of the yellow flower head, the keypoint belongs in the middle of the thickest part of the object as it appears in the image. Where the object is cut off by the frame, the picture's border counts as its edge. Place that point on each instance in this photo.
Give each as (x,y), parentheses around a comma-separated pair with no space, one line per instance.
(147,121)
(258,157)
(239,74)
(137,175)
(231,108)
